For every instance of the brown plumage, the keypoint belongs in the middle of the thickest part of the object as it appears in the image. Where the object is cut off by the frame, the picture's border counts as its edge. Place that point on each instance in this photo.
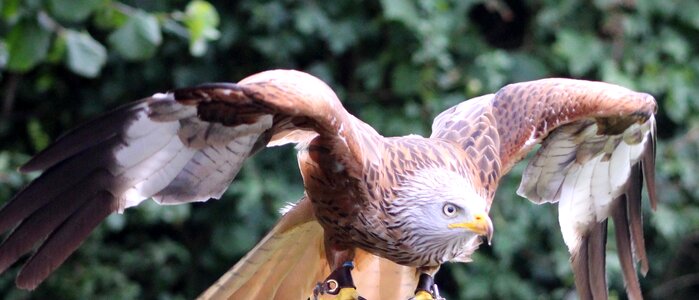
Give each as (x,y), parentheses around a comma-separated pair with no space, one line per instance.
(396,206)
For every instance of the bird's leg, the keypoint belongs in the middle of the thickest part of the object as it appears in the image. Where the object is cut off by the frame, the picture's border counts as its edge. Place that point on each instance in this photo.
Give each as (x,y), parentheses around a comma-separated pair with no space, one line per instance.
(426,288)
(339,282)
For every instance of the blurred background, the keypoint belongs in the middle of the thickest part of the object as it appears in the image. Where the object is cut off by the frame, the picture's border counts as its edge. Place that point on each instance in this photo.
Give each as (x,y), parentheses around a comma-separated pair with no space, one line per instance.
(395,64)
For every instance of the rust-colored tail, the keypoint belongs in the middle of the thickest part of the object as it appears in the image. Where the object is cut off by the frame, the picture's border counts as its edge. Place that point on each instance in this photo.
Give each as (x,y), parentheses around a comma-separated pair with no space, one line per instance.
(290,260)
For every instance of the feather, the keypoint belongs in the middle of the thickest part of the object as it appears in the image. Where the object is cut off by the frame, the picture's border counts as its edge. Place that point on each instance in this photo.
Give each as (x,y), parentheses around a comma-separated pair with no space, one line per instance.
(588,262)
(600,188)
(54,181)
(60,244)
(635,216)
(85,136)
(648,165)
(290,260)
(619,167)
(208,173)
(45,220)
(580,262)
(256,273)
(139,148)
(623,242)
(596,242)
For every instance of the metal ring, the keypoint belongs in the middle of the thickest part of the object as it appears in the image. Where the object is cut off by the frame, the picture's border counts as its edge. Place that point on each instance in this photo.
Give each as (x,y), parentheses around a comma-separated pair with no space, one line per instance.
(332,286)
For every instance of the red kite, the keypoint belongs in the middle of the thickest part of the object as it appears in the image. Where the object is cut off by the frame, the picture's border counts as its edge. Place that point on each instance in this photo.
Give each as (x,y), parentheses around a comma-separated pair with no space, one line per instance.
(387,211)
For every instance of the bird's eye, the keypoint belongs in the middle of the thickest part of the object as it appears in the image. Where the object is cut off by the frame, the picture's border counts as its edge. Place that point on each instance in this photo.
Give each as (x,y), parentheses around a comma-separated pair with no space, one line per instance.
(449,209)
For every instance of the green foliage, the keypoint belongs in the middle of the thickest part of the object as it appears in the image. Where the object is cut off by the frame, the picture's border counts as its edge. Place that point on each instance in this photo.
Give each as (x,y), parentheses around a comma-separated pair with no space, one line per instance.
(73,11)
(201,19)
(28,46)
(134,34)
(138,38)
(86,56)
(395,64)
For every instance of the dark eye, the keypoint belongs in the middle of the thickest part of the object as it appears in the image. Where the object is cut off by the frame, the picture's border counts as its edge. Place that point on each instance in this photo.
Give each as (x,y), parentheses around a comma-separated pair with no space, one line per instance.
(449,209)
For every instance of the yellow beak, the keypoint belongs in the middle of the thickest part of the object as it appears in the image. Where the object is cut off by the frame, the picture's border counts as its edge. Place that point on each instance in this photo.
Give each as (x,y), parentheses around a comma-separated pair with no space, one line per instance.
(481,225)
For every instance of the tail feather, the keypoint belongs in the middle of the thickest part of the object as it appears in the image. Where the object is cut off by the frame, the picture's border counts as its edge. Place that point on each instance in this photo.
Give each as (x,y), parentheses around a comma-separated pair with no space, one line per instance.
(379,278)
(295,241)
(290,260)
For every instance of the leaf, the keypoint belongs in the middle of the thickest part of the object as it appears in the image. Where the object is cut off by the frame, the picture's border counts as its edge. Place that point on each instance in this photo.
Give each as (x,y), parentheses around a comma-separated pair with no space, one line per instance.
(340,36)
(86,56)
(38,136)
(310,18)
(674,44)
(28,44)
(201,19)
(613,74)
(406,80)
(138,38)
(73,10)
(9,9)
(109,18)
(58,49)
(402,11)
(583,51)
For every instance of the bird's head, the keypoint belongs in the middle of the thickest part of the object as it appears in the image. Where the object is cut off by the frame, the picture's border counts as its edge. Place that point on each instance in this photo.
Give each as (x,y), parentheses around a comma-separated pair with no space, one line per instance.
(441,209)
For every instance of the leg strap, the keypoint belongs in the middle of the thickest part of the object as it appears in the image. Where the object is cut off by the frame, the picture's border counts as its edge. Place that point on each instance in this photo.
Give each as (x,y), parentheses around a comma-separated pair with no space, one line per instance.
(425,283)
(339,279)
(426,288)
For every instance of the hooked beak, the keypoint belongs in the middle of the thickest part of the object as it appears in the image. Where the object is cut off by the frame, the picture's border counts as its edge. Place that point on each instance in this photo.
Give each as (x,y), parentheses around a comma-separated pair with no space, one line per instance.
(481,225)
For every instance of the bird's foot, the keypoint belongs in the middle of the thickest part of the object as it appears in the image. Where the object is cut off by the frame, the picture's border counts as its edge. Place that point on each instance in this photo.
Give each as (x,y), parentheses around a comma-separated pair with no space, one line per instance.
(339,283)
(422,295)
(426,289)
(348,294)
(425,295)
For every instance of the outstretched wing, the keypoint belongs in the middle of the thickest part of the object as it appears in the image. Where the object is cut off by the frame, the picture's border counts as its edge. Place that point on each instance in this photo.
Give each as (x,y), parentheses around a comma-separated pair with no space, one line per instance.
(597,141)
(182,146)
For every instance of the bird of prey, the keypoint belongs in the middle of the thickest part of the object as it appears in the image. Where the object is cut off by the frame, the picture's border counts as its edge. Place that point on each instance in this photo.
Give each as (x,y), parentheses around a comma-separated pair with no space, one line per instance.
(379,214)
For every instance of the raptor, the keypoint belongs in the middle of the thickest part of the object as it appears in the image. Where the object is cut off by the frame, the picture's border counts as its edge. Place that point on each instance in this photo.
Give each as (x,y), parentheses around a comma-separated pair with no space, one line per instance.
(379,214)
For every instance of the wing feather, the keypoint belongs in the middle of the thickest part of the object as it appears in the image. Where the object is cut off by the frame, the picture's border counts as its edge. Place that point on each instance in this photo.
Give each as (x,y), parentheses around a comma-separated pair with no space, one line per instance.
(600,189)
(84,137)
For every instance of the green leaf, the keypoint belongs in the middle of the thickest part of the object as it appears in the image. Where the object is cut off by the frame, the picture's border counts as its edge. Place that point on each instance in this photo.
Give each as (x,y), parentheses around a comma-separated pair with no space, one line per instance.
(28,44)
(73,10)
(38,136)
(108,17)
(86,56)
(406,80)
(138,38)
(9,10)
(583,51)
(58,49)
(402,11)
(675,45)
(201,19)
(611,73)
